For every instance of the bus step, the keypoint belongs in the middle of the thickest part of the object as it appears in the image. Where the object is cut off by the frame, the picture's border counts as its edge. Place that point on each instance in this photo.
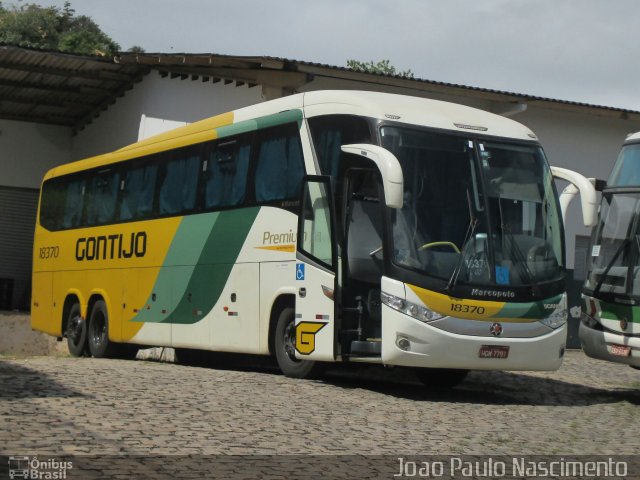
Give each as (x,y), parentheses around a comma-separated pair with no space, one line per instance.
(362,347)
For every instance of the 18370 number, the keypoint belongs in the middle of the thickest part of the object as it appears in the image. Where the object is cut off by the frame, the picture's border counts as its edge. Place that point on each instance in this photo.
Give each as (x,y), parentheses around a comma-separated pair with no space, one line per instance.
(458,307)
(49,252)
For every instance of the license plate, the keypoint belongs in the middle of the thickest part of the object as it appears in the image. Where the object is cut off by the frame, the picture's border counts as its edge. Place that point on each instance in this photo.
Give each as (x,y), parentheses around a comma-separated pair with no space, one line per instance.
(494,351)
(620,350)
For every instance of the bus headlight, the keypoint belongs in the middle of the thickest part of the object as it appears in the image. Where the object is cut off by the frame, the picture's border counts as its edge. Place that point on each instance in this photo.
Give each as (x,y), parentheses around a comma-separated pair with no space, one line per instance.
(418,312)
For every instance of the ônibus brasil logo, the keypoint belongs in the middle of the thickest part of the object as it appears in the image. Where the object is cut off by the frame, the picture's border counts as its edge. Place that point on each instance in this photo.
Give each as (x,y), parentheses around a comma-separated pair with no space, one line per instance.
(34,468)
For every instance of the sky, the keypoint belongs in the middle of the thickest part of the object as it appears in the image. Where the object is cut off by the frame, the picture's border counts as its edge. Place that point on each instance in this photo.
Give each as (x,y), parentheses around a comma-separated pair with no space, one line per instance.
(577,50)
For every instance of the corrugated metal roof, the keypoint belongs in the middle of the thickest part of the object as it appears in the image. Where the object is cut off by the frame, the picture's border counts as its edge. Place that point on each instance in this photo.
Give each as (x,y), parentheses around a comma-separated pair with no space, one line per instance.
(56,88)
(71,90)
(187,63)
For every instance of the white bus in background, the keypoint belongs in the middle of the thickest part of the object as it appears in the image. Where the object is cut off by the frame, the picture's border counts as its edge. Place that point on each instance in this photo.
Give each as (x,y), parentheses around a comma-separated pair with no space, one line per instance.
(329,226)
(610,326)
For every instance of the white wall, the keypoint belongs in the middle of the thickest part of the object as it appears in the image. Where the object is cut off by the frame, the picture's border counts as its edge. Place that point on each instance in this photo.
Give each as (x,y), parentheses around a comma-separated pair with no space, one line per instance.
(28,150)
(161,98)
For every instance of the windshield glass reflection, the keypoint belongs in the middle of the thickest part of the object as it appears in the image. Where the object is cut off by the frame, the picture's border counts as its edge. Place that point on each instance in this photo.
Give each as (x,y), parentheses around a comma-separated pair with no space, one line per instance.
(475,213)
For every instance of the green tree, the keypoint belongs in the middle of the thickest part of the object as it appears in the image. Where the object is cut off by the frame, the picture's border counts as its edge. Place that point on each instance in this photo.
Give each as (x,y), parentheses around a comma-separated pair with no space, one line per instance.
(52,28)
(382,67)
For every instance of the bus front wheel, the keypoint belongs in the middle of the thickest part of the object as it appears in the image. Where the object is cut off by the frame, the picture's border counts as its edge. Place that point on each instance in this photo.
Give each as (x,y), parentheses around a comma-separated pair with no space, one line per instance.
(98,332)
(76,332)
(285,341)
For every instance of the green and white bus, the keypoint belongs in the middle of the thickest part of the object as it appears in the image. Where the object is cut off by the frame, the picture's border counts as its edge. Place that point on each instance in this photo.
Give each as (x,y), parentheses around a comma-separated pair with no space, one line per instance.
(330,226)
(610,327)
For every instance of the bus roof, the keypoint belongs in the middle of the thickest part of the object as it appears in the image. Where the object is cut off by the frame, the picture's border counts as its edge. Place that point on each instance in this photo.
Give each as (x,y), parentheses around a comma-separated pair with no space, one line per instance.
(417,111)
(401,108)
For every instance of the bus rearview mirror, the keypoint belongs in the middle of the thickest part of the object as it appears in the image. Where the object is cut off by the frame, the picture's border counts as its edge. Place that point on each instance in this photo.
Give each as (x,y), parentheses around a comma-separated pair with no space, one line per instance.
(582,185)
(389,167)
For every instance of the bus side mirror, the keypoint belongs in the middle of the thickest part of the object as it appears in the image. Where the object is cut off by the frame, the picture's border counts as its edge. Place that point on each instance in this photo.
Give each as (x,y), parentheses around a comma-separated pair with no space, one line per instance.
(390,169)
(578,184)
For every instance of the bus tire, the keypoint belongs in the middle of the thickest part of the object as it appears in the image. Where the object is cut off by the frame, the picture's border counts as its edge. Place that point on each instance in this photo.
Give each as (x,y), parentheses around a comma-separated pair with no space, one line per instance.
(284,343)
(440,378)
(98,333)
(76,332)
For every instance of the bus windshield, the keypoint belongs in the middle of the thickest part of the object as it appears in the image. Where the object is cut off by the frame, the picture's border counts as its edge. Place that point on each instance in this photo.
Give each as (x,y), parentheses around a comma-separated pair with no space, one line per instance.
(626,171)
(475,213)
(616,247)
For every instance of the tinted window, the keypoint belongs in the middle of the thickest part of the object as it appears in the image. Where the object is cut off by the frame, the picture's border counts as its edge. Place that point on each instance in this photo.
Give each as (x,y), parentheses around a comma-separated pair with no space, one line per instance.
(137,195)
(179,187)
(330,132)
(102,196)
(280,165)
(74,203)
(52,204)
(226,173)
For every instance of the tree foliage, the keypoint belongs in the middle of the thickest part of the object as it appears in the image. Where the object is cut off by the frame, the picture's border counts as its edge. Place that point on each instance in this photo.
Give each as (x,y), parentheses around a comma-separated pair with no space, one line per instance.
(52,28)
(382,67)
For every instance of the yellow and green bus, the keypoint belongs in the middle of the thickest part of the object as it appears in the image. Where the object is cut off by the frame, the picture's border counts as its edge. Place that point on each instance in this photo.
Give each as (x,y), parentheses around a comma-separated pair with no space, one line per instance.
(329,226)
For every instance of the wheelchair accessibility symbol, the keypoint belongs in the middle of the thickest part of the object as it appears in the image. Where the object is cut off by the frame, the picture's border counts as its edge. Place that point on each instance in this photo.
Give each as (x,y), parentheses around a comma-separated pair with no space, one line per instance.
(299,271)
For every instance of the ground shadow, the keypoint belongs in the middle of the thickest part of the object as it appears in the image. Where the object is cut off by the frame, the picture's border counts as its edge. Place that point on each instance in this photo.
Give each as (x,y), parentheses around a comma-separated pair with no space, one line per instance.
(480,387)
(486,387)
(18,381)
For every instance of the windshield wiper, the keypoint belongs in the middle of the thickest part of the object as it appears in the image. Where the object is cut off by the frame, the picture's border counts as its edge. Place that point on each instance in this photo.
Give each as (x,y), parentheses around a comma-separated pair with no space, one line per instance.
(471,228)
(604,273)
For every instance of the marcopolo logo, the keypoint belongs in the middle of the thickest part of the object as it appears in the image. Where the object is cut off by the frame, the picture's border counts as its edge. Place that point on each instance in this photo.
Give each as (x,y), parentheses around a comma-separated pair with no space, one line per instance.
(35,468)
(110,247)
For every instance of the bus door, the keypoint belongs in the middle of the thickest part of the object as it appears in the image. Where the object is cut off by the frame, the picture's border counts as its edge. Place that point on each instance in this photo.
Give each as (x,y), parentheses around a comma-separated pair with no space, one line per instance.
(316,267)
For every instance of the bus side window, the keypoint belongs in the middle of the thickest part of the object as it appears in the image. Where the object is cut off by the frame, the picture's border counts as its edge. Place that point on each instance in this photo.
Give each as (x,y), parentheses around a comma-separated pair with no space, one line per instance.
(280,165)
(74,203)
(52,205)
(102,194)
(179,187)
(330,132)
(225,182)
(138,188)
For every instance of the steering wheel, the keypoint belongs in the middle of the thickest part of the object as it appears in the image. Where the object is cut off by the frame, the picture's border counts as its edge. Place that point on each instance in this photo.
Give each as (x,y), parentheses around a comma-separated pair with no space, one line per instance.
(542,252)
(440,244)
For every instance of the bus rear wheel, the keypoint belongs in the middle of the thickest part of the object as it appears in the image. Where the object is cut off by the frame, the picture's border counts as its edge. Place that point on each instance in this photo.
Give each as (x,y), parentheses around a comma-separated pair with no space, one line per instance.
(439,378)
(76,332)
(98,333)
(285,341)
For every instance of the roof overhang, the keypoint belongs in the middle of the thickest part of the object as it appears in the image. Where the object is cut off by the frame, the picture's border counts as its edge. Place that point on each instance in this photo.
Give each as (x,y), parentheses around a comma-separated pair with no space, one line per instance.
(60,89)
(71,90)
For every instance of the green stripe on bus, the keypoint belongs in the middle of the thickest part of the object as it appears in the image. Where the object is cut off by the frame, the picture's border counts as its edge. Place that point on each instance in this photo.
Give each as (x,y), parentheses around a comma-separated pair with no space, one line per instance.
(613,311)
(533,310)
(288,116)
(197,266)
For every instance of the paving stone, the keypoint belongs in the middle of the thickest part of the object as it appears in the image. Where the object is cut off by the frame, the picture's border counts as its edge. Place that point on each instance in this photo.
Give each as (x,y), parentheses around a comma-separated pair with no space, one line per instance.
(56,405)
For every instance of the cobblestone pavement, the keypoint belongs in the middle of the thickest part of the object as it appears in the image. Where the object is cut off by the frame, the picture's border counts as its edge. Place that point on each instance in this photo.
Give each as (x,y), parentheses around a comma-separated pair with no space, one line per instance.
(60,406)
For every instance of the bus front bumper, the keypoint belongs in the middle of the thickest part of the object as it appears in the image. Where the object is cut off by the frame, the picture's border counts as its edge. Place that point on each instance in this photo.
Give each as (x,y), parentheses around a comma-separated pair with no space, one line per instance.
(411,343)
(599,344)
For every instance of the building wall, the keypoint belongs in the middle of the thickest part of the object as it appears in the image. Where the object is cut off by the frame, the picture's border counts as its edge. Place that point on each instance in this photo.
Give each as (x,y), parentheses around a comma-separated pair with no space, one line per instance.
(28,150)
(160,98)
